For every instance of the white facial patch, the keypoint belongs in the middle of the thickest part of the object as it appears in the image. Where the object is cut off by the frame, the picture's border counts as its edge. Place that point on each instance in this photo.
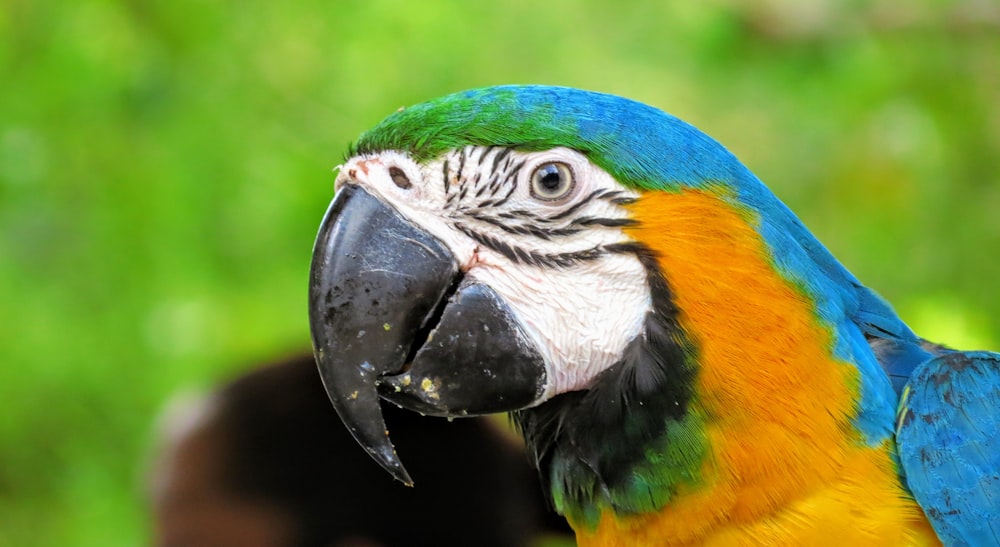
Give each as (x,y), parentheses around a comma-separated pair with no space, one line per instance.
(550,249)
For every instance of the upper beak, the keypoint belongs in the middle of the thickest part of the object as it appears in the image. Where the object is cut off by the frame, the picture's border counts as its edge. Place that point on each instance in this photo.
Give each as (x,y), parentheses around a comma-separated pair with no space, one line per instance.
(392,315)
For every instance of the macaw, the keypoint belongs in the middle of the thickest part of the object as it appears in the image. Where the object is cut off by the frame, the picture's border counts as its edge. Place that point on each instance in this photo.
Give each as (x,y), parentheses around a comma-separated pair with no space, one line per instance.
(686,362)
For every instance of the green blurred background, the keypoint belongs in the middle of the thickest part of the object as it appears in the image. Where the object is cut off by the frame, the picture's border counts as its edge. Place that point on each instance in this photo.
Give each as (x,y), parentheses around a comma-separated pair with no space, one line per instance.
(164,167)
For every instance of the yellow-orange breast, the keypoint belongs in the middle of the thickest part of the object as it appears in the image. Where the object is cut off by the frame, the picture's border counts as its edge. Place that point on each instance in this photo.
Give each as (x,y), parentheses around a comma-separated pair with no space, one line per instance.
(786,465)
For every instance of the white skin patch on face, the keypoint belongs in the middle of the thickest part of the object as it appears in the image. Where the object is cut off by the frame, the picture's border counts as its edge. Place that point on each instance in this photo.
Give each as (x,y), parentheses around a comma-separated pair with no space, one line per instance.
(540,229)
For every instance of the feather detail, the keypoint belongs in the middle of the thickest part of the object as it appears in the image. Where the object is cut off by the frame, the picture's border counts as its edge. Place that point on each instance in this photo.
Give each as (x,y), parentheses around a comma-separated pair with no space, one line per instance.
(949,444)
(788,463)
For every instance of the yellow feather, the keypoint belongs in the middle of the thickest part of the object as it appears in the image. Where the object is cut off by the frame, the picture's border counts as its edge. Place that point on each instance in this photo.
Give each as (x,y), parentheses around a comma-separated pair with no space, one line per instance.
(787,466)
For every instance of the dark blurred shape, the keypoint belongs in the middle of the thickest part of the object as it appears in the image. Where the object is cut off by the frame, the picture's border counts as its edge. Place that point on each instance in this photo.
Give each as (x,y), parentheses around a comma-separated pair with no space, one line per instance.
(264,461)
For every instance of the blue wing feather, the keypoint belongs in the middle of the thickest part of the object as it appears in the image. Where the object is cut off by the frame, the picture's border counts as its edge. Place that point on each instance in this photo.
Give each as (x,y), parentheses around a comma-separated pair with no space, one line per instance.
(899,357)
(948,441)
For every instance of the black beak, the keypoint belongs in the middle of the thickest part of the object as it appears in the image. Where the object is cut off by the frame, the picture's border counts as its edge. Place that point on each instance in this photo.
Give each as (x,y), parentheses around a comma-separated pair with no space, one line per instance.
(392,315)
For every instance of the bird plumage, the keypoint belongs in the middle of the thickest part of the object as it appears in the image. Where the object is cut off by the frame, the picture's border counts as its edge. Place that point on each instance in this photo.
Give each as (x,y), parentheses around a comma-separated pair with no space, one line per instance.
(758,401)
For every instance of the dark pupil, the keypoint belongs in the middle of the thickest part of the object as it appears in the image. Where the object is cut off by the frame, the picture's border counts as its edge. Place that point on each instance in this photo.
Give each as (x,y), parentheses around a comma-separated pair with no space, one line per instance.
(550,178)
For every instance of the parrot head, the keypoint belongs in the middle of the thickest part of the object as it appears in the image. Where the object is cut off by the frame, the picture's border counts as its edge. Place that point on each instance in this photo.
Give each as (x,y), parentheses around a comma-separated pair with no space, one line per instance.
(476,258)
(518,248)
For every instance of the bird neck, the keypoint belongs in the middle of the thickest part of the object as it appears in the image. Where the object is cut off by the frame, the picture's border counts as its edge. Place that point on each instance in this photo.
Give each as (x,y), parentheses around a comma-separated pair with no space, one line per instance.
(771,408)
(741,425)
(629,441)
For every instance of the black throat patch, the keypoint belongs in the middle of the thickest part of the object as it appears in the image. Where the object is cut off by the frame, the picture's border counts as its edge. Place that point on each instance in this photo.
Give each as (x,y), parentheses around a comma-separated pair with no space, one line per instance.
(589,445)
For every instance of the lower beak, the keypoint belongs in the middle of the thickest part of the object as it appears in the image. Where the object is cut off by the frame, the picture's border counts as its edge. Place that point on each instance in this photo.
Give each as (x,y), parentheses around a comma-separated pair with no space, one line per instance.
(392,315)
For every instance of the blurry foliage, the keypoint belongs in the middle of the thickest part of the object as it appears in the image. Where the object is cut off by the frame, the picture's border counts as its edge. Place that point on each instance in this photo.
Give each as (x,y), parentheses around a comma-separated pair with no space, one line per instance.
(164,167)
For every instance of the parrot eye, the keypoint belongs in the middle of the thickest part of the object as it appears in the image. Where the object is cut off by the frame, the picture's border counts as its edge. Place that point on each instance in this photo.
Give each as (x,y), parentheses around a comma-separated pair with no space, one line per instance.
(551,181)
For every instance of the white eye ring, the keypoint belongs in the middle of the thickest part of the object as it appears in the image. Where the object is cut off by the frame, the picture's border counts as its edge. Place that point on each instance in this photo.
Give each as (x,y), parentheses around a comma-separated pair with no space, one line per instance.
(551,181)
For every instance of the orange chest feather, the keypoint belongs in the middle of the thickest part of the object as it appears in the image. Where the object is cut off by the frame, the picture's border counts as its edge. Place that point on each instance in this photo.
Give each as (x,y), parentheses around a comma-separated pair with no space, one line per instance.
(786,465)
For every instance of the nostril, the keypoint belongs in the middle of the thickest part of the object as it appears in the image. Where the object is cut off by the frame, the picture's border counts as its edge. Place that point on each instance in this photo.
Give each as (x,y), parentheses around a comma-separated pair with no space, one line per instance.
(399,178)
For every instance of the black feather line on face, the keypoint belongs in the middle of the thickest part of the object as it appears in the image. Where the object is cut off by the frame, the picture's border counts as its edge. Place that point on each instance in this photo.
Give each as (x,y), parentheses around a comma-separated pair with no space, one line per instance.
(445,175)
(598,436)
(624,200)
(540,232)
(508,176)
(461,161)
(597,221)
(573,208)
(519,255)
(485,152)
(503,153)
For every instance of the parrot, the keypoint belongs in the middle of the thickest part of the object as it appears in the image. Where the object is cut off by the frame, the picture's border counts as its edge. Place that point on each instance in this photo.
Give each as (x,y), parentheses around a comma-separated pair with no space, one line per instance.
(686,363)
